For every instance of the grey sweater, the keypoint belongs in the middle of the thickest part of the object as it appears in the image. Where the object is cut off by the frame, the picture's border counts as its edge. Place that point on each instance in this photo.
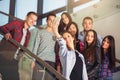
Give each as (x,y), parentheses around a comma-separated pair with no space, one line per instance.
(44,45)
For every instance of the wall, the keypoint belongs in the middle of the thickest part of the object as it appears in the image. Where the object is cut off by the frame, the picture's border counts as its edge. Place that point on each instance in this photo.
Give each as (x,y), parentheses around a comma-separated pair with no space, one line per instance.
(110,26)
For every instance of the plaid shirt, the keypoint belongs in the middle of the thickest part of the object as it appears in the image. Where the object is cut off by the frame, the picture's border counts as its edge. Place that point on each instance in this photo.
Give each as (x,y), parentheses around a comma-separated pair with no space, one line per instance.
(79,45)
(15,28)
(105,73)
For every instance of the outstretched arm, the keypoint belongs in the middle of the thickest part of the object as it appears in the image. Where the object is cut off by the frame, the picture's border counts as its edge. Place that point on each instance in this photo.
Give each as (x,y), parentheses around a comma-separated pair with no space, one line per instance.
(55,29)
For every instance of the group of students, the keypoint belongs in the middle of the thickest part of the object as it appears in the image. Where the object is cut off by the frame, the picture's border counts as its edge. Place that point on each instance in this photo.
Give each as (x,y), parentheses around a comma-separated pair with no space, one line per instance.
(76,55)
(84,55)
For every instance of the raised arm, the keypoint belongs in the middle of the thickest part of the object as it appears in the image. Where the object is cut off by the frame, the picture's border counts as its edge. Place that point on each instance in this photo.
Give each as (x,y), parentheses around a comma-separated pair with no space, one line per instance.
(55,29)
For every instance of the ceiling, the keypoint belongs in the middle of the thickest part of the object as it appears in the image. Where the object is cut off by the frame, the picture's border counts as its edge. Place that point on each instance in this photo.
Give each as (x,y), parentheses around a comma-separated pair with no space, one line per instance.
(102,9)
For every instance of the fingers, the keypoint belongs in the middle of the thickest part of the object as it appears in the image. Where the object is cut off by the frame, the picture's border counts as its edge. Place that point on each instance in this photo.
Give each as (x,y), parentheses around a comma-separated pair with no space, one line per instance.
(56,22)
(32,65)
(8,36)
(55,25)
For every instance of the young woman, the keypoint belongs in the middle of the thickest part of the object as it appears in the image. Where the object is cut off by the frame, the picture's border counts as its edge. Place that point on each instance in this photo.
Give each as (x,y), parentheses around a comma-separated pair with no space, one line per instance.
(91,53)
(64,22)
(107,58)
(73,29)
(73,65)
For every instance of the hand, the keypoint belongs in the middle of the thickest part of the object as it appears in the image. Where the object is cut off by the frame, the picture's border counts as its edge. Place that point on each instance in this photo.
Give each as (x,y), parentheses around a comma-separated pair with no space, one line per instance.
(8,36)
(55,28)
(32,65)
(71,46)
(55,25)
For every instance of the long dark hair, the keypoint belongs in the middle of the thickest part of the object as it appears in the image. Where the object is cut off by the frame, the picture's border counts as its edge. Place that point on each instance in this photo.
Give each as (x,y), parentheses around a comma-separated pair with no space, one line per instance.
(63,25)
(76,35)
(90,50)
(110,51)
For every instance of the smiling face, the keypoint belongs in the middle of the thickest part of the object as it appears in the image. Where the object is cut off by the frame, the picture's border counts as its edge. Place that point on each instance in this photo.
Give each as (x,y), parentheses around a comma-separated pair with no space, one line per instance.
(105,43)
(87,24)
(69,40)
(31,20)
(65,19)
(72,29)
(89,37)
(50,21)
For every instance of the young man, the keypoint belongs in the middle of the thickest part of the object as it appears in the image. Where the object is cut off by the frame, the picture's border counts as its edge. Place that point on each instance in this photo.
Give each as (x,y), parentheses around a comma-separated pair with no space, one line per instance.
(19,31)
(44,48)
(87,25)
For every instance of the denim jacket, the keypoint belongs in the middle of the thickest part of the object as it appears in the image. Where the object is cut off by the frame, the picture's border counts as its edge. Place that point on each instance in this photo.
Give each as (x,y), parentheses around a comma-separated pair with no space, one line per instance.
(68,59)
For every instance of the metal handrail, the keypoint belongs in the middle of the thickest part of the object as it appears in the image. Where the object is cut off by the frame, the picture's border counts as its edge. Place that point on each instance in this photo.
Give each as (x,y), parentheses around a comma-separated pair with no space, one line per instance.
(46,65)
